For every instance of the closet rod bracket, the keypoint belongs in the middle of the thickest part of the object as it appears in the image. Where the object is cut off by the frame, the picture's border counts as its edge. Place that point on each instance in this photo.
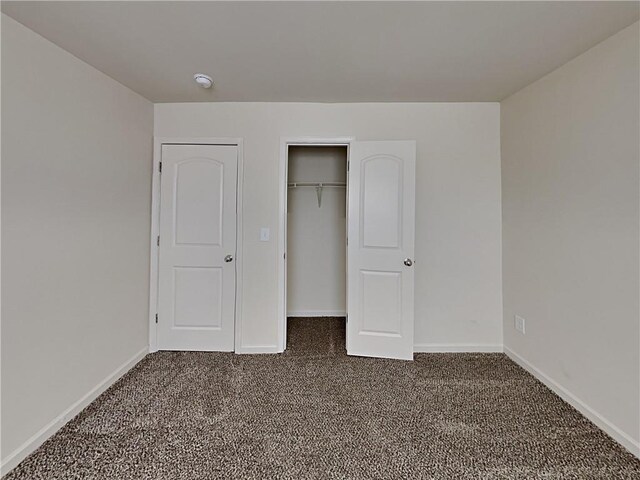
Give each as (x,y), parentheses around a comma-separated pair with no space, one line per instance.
(319,194)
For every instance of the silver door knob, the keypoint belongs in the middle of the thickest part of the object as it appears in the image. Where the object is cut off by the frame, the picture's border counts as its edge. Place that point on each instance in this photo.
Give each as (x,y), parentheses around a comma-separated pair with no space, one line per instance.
(228,258)
(408,262)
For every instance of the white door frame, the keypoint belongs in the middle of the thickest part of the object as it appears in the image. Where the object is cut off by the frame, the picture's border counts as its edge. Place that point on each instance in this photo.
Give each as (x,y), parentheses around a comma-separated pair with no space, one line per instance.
(285,143)
(155,230)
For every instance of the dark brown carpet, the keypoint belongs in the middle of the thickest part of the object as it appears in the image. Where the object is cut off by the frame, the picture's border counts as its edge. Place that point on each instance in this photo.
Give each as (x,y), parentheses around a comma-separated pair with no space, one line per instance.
(315,413)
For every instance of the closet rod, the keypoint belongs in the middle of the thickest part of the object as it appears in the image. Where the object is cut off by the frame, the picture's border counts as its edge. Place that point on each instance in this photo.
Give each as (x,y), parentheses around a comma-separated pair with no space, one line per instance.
(317,184)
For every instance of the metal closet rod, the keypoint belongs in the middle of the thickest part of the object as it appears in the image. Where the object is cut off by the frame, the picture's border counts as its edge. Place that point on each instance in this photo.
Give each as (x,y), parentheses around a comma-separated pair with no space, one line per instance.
(317,184)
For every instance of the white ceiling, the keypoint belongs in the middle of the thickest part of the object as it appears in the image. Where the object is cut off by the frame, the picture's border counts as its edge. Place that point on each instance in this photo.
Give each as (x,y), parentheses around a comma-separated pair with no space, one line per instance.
(326,51)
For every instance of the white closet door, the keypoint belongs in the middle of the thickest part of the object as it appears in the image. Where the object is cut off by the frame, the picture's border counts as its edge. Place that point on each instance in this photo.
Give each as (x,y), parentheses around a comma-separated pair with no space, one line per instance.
(380,249)
(196,306)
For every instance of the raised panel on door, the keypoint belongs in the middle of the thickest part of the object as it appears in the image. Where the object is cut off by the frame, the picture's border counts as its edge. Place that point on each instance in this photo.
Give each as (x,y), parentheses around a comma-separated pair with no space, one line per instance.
(199,188)
(380,249)
(196,303)
(381,303)
(381,211)
(198,297)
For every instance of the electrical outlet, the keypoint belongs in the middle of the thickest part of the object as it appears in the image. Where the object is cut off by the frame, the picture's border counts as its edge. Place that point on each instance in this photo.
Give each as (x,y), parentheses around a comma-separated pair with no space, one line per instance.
(519,323)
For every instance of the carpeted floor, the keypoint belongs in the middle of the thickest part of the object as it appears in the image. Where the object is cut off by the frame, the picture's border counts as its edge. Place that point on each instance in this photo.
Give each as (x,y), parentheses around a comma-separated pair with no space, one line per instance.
(315,413)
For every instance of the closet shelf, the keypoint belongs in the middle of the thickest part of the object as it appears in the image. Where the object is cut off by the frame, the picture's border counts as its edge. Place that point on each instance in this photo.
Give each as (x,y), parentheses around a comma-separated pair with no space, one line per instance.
(318,186)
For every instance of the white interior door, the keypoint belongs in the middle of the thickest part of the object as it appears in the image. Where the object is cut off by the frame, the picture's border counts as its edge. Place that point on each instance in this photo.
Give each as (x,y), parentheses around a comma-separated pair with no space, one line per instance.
(197,275)
(380,249)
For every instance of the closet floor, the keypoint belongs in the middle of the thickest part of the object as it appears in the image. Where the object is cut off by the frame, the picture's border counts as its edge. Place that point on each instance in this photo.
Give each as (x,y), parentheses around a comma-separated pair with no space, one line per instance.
(313,412)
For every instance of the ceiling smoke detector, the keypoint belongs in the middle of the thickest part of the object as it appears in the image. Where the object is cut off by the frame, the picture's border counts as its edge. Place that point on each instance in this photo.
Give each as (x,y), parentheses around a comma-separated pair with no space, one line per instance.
(205,81)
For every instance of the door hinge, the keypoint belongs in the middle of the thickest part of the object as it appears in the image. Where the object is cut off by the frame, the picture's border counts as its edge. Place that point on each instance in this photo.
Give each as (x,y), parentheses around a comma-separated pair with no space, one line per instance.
(285,255)
(158,240)
(348,162)
(156,318)
(160,167)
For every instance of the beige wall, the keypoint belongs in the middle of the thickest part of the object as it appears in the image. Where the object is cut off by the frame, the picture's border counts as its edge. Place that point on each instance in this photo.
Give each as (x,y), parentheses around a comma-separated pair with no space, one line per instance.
(76,174)
(458,224)
(570,165)
(316,236)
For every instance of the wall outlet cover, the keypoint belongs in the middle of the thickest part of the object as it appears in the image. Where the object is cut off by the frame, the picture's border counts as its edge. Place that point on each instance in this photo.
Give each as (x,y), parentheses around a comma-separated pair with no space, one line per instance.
(520,324)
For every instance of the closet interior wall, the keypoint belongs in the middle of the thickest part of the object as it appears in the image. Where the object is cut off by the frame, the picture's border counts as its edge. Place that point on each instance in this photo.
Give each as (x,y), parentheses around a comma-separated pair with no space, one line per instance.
(316,232)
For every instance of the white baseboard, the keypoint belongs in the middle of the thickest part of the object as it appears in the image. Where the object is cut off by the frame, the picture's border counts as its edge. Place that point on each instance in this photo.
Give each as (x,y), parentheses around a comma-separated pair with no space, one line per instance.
(14,458)
(599,420)
(456,348)
(258,349)
(317,313)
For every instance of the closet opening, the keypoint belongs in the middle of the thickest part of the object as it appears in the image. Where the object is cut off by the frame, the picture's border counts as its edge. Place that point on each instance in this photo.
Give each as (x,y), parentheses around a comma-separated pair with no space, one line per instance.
(316,248)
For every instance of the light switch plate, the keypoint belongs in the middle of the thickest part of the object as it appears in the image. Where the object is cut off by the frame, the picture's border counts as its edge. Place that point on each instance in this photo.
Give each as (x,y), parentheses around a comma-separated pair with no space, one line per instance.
(264,234)
(519,323)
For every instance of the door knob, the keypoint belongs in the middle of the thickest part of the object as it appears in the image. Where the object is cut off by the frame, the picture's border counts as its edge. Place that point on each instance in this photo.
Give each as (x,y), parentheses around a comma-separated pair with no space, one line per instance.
(228,258)
(408,262)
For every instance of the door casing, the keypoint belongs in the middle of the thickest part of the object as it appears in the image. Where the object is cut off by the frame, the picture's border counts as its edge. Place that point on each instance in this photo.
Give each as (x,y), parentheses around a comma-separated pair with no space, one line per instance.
(285,143)
(155,231)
